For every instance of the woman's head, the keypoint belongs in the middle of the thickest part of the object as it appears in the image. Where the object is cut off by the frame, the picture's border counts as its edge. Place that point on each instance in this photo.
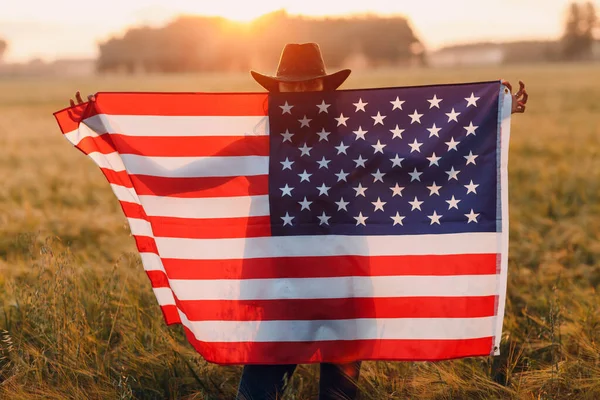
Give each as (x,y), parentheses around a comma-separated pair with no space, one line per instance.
(301,69)
(311,85)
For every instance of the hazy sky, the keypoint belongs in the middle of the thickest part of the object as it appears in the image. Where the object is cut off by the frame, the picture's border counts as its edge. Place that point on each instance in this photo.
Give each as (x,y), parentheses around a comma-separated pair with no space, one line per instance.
(67,28)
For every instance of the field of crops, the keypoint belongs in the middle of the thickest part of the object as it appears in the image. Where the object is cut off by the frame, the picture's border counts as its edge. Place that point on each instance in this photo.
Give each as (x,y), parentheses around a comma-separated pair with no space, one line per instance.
(79,319)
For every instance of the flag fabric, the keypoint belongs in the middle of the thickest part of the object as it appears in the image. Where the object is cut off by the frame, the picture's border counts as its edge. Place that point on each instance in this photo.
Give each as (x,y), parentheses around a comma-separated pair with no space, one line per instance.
(365,224)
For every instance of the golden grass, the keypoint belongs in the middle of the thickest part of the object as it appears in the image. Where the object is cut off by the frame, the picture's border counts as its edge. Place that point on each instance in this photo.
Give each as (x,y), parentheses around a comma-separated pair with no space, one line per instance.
(79,319)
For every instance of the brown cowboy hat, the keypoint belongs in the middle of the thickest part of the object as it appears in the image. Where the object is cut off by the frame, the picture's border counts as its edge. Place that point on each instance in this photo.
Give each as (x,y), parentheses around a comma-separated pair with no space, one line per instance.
(301,62)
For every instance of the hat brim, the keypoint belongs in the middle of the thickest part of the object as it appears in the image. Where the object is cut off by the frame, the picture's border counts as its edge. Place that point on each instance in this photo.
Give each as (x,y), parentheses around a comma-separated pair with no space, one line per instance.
(330,81)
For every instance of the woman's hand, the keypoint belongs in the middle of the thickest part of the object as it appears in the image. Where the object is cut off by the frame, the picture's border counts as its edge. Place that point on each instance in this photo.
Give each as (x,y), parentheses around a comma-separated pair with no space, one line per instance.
(519,99)
(80,100)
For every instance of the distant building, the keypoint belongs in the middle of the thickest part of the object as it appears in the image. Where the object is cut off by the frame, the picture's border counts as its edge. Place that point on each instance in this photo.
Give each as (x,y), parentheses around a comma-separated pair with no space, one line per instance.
(467,55)
(62,67)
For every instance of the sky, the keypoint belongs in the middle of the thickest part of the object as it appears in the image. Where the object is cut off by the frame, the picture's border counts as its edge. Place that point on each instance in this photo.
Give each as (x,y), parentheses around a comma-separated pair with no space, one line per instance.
(63,28)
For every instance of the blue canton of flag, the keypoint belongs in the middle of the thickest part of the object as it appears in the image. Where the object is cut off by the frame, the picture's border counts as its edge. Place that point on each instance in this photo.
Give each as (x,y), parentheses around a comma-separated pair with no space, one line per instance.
(391,161)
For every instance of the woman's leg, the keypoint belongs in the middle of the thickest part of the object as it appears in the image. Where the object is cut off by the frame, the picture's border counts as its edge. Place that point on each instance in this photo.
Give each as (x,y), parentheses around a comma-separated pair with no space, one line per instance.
(339,381)
(264,382)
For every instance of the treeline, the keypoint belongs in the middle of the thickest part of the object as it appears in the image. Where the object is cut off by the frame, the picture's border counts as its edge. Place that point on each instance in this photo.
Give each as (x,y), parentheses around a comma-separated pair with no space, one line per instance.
(213,43)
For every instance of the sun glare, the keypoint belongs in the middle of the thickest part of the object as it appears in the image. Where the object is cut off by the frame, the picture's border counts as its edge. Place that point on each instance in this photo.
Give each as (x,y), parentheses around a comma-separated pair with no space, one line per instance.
(241,12)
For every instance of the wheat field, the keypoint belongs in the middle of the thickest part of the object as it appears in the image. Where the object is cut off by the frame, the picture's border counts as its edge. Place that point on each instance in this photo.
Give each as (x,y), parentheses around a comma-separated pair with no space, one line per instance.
(79,319)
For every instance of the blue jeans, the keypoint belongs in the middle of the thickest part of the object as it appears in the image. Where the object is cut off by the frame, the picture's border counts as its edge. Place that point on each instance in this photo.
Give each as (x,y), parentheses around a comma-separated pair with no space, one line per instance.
(267,382)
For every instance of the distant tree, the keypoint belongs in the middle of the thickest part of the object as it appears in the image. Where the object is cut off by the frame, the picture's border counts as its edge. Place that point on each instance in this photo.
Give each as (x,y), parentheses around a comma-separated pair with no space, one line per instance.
(578,37)
(3,46)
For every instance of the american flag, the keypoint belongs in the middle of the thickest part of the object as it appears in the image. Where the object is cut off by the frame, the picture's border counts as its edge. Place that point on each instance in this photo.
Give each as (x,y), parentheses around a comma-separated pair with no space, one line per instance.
(276,228)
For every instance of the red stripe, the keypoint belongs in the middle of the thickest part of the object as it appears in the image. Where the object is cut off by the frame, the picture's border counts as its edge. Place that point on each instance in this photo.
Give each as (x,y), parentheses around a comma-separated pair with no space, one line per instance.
(184,104)
(170,314)
(68,119)
(332,266)
(117,177)
(348,308)
(209,228)
(158,279)
(173,146)
(133,210)
(145,244)
(201,187)
(338,351)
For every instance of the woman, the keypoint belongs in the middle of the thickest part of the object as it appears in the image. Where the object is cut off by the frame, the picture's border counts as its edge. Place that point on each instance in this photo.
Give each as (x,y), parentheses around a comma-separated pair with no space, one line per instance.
(301,69)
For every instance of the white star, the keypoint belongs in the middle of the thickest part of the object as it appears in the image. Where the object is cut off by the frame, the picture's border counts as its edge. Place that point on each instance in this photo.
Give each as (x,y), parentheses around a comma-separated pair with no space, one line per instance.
(305,150)
(287,164)
(323,135)
(286,108)
(360,134)
(397,190)
(435,219)
(360,161)
(452,144)
(360,105)
(342,204)
(287,136)
(323,190)
(471,158)
(323,163)
(323,107)
(397,132)
(452,174)
(434,189)
(397,219)
(378,147)
(360,220)
(396,161)
(397,103)
(379,204)
(415,117)
(324,219)
(360,191)
(433,160)
(304,176)
(452,115)
(286,190)
(342,148)
(416,204)
(378,118)
(341,120)
(305,204)
(287,219)
(472,216)
(304,121)
(470,129)
(342,176)
(434,102)
(471,187)
(415,146)
(472,101)
(453,203)
(415,176)
(378,176)
(433,131)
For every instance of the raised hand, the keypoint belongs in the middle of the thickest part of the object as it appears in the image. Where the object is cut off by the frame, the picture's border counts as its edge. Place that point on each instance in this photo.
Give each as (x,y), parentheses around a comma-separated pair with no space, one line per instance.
(519,99)
(79,99)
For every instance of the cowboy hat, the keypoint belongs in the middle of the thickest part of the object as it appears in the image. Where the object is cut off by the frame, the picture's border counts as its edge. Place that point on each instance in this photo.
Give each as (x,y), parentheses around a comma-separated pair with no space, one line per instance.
(300,62)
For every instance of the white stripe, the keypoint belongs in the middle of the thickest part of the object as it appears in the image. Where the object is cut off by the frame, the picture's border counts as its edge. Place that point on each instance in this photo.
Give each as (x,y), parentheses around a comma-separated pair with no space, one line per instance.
(125,194)
(327,245)
(354,329)
(152,262)
(335,287)
(194,167)
(140,227)
(108,161)
(164,296)
(157,125)
(210,207)
(503,239)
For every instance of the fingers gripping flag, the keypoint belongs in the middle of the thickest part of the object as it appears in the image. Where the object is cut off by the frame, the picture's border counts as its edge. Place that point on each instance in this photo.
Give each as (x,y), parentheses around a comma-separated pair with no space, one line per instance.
(315,227)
